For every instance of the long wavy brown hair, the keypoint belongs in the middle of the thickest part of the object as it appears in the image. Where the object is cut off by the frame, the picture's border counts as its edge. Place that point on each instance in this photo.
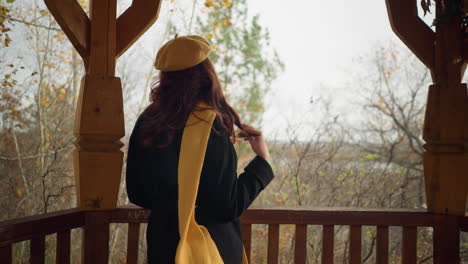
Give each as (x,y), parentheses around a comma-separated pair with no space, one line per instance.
(175,95)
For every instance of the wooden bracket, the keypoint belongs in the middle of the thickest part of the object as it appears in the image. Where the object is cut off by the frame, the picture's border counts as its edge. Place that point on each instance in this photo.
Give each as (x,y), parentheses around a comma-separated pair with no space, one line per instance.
(135,21)
(77,26)
(406,24)
(74,22)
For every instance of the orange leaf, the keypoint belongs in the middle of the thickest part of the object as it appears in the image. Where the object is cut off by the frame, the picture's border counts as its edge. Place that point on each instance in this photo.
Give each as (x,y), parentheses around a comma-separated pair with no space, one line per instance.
(226,22)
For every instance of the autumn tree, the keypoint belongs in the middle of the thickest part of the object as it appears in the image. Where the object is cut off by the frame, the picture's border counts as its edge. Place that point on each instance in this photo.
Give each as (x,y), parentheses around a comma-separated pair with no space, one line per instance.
(40,72)
(245,60)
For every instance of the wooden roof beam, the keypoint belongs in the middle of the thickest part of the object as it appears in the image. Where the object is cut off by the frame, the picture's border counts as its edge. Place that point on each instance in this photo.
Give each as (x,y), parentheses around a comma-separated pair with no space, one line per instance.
(407,25)
(135,21)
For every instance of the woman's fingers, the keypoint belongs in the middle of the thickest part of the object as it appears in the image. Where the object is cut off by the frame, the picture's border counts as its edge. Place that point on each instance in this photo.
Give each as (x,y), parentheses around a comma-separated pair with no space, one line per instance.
(246,129)
(242,134)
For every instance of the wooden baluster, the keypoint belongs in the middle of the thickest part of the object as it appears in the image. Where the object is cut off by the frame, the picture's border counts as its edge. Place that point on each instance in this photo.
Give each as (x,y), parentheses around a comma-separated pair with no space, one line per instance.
(96,237)
(355,244)
(446,237)
(409,244)
(63,247)
(132,243)
(300,249)
(37,249)
(382,244)
(327,244)
(5,254)
(273,243)
(247,238)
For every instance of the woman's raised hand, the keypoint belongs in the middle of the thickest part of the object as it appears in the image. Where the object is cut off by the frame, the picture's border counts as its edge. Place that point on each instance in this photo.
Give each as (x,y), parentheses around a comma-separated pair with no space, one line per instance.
(256,140)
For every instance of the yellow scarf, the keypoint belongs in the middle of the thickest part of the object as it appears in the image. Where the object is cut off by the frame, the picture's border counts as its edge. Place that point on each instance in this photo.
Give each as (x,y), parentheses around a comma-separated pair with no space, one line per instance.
(196,245)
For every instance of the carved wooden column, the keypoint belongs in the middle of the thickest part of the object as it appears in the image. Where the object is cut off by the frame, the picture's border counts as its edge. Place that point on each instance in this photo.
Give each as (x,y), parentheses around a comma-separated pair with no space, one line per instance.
(446,124)
(446,121)
(99,122)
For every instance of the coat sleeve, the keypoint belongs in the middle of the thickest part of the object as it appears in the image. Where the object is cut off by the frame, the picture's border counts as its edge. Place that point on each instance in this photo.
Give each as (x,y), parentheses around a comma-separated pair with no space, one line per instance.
(136,180)
(222,194)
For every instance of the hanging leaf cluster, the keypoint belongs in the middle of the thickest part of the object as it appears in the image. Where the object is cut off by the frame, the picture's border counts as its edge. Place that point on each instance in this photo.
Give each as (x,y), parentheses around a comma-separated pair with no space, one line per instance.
(449,9)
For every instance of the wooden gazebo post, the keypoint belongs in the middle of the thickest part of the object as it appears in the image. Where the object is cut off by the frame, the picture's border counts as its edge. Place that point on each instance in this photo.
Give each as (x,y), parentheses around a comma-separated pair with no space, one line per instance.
(99,123)
(446,120)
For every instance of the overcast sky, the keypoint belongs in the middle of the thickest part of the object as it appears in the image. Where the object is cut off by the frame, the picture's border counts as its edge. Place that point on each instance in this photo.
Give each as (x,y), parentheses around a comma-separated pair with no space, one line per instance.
(319,42)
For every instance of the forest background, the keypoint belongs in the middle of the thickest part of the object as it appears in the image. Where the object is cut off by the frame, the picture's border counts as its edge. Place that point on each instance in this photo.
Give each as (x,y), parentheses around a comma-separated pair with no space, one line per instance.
(371,158)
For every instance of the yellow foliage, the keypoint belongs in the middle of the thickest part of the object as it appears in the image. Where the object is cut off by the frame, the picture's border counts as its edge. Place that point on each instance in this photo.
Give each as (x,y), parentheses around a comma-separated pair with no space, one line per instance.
(62,91)
(226,3)
(218,25)
(59,36)
(210,3)
(20,191)
(84,4)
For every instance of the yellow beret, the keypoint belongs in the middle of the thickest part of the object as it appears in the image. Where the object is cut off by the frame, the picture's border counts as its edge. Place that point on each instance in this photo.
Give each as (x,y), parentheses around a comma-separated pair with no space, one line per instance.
(182,52)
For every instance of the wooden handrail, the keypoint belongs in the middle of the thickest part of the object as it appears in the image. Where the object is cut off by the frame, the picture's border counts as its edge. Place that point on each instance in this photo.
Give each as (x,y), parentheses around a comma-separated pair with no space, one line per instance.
(338,216)
(25,228)
(96,226)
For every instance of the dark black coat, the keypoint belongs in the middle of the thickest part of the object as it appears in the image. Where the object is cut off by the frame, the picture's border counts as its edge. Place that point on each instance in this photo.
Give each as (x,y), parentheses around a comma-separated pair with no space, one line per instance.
(222,196)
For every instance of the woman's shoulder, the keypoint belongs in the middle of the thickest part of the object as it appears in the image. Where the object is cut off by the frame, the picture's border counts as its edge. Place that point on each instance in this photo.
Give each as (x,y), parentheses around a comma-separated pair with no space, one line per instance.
(218,128)
(145,116)
(148,111)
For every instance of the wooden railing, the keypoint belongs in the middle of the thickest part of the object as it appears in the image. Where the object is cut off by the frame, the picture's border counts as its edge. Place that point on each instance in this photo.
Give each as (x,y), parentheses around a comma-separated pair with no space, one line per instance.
(408,219)
(95,226)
